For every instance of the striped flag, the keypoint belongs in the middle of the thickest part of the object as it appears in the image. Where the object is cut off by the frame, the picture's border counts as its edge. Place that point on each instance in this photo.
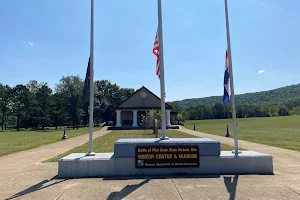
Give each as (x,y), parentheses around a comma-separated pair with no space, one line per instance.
(156,53)
(226,80)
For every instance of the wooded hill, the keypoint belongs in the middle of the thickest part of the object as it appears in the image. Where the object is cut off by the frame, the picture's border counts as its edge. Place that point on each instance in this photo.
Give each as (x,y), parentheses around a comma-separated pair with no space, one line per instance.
(282,101)
(276,96)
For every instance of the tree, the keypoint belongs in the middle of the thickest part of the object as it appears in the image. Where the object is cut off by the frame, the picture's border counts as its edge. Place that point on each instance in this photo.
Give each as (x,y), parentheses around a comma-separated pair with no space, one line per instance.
(227,111)
(70,89)
(295,111)
(30,118)
(264,111)
(192,113)
(180,117)
(273,110)
(5,98)
(21,102)
(283,111)
(100,106)
(11,121)
(148,120)
(33,86)
(176,106)
(240,111)
(207,112)
(123,94)
(43,98)
(107,97)
(56,111)
(102,101)
(218,111)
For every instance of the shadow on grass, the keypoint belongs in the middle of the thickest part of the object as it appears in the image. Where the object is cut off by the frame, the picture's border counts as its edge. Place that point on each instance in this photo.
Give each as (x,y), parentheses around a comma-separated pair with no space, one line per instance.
(39,186)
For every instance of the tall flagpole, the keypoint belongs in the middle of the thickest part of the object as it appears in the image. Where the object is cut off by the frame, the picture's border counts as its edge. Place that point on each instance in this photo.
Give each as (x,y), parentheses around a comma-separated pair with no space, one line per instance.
(236,151)
(162,73)
(91,83)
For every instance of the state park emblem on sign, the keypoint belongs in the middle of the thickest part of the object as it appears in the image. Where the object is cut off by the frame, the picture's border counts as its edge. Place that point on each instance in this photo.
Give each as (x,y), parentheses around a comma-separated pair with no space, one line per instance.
(140,163)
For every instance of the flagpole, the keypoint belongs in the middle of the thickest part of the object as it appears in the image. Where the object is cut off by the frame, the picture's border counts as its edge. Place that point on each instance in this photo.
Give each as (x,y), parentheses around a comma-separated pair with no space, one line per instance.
(162,73)
(91,83)
(236,151)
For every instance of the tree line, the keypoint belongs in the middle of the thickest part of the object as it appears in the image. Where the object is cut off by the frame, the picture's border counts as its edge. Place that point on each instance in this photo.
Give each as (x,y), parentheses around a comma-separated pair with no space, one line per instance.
(36,105)
(220,111)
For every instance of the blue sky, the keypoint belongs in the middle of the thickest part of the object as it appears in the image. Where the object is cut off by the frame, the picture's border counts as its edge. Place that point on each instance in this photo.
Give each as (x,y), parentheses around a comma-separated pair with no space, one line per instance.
(44,40)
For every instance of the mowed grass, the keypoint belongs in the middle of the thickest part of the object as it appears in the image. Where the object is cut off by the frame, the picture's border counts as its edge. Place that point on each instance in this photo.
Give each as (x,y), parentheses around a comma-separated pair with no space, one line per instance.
(281,132)
(15,141)
(106,143)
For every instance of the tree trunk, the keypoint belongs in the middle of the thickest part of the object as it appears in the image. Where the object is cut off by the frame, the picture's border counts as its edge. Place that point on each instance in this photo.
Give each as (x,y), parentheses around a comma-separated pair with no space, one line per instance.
(18,122)
(5,122)
(43,124)
(56,123)
(3,119)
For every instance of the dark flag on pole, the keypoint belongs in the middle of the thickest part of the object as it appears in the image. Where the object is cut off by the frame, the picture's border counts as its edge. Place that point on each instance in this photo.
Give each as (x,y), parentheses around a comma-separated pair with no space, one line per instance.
(226,97)
(86,89)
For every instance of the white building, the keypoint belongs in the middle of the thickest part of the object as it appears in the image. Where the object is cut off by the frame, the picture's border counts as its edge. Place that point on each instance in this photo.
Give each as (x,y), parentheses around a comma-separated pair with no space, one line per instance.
(129,112)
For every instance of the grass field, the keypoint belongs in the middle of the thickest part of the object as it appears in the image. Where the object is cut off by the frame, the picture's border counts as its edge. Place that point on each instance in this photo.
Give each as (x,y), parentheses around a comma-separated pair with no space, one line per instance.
(15,141)
(281,132)
(106,142)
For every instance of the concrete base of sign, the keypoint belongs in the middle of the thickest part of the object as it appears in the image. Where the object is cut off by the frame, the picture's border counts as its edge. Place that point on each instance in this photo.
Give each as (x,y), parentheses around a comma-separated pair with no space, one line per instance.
(106,164)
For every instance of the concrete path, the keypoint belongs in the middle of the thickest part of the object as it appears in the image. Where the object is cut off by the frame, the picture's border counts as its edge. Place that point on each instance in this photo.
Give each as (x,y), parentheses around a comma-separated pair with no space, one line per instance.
(286,163)
(23,176)
(23,169)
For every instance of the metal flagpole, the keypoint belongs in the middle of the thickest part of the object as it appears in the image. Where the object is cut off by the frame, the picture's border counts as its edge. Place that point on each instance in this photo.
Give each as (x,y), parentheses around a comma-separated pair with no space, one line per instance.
(162,73)
(91,83)
(236,151)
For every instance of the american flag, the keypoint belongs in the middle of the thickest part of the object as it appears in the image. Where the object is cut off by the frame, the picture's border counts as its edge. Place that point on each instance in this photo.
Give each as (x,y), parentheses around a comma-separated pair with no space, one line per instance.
(226,80)
(156,53)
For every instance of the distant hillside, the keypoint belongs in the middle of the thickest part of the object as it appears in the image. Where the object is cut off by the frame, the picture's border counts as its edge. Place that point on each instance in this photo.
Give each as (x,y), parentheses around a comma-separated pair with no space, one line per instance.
(278,95)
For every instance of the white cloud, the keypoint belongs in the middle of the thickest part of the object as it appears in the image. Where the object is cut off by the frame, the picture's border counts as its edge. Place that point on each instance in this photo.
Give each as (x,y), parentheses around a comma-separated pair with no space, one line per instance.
(28,43)
(261,71)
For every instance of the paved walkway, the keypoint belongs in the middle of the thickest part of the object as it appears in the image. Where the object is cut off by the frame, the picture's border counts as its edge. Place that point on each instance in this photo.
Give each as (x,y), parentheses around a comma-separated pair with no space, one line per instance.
(23,169)
(286,163)
(23,176)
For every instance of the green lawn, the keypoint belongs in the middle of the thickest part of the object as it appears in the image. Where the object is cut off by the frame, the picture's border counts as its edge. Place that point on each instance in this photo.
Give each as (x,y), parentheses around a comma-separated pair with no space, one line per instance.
(106,142)
(15,141)
(274,131)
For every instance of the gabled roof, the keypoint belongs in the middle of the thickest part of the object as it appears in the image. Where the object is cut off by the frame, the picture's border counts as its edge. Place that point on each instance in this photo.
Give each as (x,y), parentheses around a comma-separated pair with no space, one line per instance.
(142,99)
